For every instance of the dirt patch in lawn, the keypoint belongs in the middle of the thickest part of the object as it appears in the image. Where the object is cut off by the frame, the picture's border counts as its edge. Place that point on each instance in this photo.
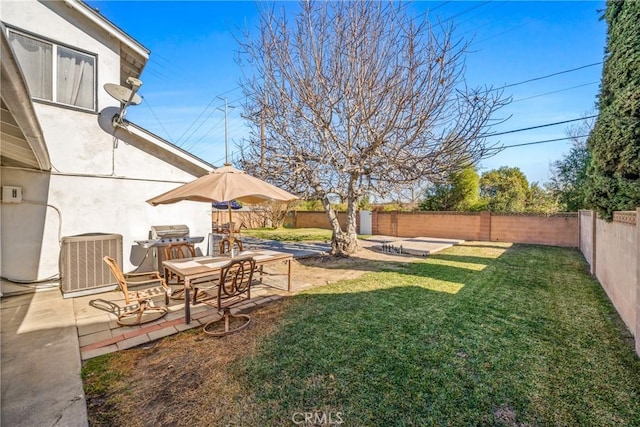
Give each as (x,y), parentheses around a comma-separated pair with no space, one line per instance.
(182,380)
(188,378)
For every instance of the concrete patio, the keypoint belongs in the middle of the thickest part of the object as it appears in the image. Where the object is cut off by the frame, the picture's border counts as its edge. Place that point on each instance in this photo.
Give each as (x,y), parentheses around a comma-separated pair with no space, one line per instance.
(45,337)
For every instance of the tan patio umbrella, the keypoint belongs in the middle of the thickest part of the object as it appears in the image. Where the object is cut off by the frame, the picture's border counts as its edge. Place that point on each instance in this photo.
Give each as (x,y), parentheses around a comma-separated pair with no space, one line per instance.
(224,185)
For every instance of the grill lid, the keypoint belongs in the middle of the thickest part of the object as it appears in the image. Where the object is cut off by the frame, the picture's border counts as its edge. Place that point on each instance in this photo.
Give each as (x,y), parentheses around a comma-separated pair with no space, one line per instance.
(168,231)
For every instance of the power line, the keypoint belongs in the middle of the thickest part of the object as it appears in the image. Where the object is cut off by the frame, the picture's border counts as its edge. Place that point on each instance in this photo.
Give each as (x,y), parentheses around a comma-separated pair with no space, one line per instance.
(546,76)
(466,11)
(201,123)
(156,117)
(555,91)
(195,121)
(475,16)
(539,126)
(428,11)
(207,118)
(201,113)
(531,21)
(440,5)
(542,142)
(195,143)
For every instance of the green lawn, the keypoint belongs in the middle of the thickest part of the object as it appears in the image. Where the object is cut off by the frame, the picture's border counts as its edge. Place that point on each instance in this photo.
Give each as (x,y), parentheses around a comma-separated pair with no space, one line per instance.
(480,334)
(289,234)
(474,336)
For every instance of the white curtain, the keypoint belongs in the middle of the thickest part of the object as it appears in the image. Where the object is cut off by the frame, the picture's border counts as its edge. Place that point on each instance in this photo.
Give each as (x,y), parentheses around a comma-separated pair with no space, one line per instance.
(35,61)
(75,78)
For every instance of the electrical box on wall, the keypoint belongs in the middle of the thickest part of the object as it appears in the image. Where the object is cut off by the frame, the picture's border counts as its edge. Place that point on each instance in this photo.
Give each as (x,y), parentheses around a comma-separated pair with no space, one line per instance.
(11,194)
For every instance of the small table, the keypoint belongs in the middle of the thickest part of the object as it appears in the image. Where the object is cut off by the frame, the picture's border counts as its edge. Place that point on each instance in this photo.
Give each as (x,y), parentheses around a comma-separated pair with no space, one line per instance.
(190,269)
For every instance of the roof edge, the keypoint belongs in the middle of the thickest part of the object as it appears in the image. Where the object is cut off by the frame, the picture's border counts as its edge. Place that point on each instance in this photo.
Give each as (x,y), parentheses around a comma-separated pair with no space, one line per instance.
(131,133)
(111,29)
(172,147)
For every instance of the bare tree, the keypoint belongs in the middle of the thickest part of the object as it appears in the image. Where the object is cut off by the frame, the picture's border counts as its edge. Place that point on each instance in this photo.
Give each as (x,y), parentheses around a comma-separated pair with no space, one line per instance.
(272,214)
(358,98)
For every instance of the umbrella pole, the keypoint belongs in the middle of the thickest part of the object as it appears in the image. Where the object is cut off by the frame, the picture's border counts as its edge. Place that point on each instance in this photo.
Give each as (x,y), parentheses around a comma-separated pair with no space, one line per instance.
(231,238)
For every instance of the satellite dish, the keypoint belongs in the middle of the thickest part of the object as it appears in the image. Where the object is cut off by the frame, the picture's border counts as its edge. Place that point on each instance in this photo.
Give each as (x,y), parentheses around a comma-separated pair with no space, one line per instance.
(122,94)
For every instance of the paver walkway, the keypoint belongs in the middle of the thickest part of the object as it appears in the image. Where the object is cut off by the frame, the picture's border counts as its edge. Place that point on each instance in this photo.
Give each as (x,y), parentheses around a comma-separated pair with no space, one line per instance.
(99,333)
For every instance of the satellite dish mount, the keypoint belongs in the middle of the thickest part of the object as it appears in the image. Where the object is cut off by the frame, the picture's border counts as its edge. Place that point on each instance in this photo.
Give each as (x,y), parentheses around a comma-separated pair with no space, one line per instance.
(125,95)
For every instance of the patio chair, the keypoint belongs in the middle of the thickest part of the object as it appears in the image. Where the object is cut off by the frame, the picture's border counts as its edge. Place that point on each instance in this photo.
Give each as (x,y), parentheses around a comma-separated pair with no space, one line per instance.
(225,245)
(139,305)
(234,288)
(177,251)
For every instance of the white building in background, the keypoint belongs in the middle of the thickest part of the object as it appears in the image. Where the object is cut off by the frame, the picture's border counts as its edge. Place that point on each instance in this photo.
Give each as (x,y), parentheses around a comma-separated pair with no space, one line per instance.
(66,170)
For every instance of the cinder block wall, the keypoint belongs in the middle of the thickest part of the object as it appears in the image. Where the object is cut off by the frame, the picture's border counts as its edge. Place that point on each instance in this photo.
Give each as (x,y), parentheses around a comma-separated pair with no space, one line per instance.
(556,230)
(587,224)
(616,266)
(310,219)
(452,225)
(612,249)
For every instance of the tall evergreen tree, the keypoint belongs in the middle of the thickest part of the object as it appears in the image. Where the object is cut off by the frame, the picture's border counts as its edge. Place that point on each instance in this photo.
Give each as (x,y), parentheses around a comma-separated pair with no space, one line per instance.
(614,144)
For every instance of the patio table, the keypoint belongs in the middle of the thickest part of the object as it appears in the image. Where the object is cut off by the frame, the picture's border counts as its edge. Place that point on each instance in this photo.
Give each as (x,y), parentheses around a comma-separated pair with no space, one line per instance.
(189,269)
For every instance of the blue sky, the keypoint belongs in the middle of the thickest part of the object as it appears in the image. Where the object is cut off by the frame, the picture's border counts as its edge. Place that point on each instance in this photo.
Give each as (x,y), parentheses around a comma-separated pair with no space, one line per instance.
(193,50)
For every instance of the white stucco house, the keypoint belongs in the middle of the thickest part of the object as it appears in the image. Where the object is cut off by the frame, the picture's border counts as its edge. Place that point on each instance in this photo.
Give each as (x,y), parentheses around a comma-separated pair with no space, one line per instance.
(66,169)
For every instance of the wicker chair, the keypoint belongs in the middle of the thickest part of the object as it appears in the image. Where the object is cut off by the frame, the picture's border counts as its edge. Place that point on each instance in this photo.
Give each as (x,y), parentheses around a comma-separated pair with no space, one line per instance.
(139,305)
(234,288)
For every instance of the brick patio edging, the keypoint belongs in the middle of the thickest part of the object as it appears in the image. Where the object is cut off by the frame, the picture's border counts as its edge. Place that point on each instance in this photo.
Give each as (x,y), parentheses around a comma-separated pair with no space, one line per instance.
(145,334)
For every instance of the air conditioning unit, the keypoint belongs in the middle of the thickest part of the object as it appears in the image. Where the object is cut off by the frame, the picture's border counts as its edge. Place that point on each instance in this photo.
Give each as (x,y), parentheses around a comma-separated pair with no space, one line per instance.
(82,270)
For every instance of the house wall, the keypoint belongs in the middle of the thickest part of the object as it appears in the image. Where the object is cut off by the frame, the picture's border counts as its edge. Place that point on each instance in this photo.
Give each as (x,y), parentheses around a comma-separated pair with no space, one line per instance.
(97,184)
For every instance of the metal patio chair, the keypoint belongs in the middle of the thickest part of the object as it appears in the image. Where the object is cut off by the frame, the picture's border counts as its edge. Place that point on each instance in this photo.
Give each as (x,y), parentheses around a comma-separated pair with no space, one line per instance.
(233,289)
(225,245)
(139,306)
(177,251)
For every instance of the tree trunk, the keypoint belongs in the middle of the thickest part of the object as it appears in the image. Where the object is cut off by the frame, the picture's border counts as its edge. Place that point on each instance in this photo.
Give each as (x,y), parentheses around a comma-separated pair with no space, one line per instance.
(342,243)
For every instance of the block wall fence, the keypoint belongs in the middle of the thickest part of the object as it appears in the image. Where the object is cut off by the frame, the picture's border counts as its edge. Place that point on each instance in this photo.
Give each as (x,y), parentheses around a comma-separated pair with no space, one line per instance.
(612,249)
(556,230)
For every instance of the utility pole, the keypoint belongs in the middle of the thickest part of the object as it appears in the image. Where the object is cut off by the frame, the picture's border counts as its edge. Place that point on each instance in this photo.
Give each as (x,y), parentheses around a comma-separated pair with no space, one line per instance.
(226,132)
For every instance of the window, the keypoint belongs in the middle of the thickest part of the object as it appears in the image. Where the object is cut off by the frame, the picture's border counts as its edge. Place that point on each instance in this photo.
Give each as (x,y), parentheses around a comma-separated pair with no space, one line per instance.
(56,73)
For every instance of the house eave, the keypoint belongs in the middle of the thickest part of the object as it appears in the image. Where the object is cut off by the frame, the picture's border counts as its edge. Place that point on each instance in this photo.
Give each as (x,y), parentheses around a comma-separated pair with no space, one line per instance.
(15,95)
